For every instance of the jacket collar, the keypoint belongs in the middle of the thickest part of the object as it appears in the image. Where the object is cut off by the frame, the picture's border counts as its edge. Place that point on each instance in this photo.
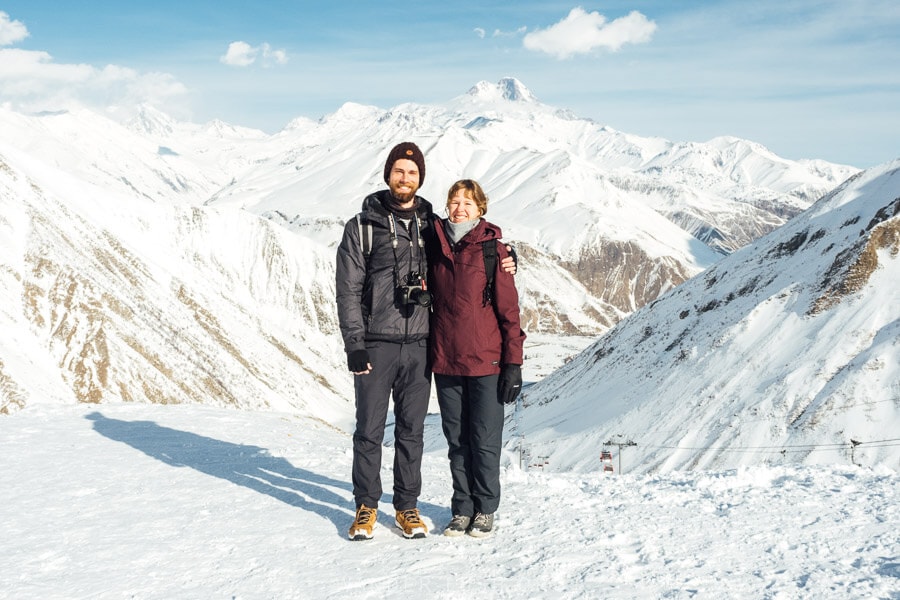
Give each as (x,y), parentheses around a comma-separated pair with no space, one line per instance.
(373,207)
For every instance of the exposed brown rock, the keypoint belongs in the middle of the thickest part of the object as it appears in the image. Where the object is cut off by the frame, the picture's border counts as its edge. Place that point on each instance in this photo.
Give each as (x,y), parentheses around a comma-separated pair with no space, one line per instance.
(853,267)
(622,274)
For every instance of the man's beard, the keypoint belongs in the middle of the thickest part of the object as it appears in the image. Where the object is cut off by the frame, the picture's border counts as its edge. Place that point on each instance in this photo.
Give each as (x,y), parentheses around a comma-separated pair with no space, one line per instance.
(404,197)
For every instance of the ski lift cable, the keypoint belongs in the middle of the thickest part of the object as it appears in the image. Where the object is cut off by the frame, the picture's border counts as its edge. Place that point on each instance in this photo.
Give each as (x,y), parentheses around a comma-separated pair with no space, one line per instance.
(787,447)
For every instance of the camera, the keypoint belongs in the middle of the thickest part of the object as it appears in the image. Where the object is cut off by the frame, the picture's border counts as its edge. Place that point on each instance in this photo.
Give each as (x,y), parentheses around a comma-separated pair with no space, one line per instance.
(415,291)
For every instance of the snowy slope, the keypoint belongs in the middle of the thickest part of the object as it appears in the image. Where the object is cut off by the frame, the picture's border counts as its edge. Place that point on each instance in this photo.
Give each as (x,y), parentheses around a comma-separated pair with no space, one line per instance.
(186,502)
(110,297)
(786,351)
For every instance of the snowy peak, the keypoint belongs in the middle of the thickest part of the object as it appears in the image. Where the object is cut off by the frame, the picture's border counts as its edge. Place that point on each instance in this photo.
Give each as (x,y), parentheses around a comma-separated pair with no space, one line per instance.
(221,129)
(151,121)
(508,88)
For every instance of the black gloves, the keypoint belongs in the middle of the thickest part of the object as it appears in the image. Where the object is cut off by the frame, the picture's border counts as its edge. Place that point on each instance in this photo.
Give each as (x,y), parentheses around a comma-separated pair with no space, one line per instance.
(358,360)
(509,384)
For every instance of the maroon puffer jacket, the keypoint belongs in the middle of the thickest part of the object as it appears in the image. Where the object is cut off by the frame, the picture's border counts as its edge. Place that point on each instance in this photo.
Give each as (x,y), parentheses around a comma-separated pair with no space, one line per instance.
(468,338)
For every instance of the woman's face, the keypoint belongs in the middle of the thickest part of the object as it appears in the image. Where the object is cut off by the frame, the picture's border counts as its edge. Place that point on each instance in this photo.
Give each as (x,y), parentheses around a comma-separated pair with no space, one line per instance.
(461,208)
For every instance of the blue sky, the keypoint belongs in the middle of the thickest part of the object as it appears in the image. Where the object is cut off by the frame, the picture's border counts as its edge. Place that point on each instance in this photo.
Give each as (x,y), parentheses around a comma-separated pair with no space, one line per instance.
(808,79)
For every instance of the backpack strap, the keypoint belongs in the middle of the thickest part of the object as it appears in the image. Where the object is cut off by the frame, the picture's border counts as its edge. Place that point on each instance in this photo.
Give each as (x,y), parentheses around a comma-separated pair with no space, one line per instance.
(365,235)
(489,250)
(365,242)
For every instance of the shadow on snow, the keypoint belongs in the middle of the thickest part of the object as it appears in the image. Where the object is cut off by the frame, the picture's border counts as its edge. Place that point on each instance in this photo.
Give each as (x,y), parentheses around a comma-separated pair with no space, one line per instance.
(249,466)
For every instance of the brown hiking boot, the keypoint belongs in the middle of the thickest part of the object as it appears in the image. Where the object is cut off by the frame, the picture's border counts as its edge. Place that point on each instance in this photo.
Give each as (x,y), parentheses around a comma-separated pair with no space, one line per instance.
(411,524)
(363,523)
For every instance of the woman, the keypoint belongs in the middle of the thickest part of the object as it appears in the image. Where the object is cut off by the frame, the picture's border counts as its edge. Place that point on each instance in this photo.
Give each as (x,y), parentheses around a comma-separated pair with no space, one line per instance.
(476,354)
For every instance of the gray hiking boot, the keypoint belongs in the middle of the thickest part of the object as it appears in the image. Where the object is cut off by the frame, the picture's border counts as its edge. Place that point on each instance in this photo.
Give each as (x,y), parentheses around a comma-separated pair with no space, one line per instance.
(482,525)
(457,525)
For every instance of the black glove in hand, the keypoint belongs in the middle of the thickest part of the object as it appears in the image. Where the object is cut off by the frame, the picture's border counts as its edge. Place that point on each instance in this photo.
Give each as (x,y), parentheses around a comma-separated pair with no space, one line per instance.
(509,384)
(358,360)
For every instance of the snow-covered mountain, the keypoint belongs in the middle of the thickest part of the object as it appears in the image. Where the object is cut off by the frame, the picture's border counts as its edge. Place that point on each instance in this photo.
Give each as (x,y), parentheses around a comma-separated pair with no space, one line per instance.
(142,159)
(110,297)
(166,262)
(612,219)
(786,351)
(616,219)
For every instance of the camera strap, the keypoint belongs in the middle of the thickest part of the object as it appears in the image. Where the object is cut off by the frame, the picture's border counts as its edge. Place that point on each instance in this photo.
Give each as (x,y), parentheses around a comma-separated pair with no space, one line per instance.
(392,222)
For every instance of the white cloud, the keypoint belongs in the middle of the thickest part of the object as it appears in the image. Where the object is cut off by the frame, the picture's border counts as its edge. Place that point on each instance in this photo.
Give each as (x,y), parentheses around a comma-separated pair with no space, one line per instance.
(11,31)
(242,54)
(239,54)
(31,81)
(517,32)
(479,32)
(581,31)
(270,56)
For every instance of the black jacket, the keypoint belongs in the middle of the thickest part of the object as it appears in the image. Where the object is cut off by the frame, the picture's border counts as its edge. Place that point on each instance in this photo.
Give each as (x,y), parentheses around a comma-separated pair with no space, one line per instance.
(369,305)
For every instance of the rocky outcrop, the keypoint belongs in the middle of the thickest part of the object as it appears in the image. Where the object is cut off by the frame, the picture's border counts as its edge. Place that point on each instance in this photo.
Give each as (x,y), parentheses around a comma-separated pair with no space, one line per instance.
(853,266)
(624,275)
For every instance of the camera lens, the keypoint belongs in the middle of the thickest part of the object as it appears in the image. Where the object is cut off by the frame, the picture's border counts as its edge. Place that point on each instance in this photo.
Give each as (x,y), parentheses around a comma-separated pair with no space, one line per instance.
(424,298)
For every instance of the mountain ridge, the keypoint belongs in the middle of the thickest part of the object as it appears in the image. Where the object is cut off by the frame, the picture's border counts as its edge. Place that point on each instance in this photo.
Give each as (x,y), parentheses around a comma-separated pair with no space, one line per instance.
(540,165)
(170,262)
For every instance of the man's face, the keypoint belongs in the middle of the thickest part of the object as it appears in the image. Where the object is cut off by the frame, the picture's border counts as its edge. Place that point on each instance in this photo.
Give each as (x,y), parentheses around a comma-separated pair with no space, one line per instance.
(404,180)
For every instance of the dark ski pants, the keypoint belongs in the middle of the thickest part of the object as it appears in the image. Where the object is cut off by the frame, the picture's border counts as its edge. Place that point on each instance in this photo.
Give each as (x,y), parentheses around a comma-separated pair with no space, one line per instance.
(472,420)
(400,370)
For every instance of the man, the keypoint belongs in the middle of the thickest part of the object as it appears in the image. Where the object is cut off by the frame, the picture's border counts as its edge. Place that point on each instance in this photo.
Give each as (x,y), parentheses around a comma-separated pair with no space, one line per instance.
(383,316)
(383,308)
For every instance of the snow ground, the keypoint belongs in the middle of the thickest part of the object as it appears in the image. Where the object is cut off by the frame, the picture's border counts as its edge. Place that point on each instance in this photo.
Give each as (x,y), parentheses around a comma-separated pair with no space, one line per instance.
(149,501)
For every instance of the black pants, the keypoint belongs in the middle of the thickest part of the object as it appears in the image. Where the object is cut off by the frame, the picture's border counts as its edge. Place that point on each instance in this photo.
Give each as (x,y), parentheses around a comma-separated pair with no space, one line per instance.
(400,370)
(472,420)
